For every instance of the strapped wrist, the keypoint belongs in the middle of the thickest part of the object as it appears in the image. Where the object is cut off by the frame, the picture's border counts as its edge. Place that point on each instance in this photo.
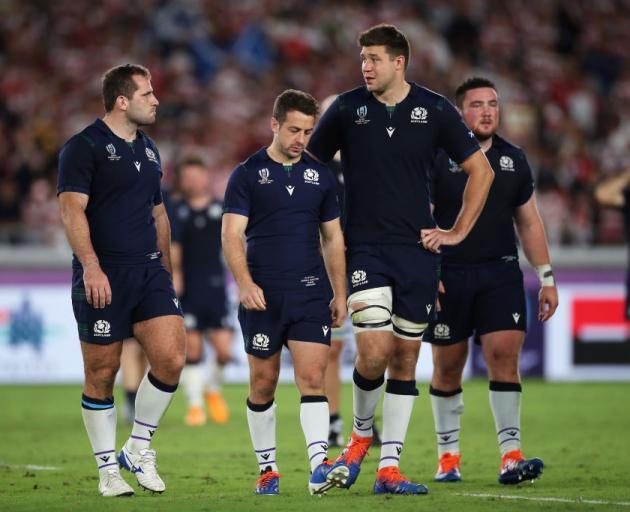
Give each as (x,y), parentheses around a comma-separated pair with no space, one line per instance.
(545,275)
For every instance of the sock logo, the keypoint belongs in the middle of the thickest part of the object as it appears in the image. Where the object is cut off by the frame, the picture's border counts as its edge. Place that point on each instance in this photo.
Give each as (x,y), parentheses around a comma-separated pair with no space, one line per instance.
(324,446)
(265,456)
(512,433)
(151,432)
(104,458)
(359,423)
(445,438)
(398,449)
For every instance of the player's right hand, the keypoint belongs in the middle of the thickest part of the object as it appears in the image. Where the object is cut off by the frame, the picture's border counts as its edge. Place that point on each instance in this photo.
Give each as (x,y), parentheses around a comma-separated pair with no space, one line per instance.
(98,293)
(432,239)
(252,297)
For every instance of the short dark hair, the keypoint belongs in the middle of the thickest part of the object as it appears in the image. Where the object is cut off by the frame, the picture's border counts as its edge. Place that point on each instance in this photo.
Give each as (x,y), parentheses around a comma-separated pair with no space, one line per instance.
(394,41)
(118,81)
(292,99)
(191,160)
(476,82)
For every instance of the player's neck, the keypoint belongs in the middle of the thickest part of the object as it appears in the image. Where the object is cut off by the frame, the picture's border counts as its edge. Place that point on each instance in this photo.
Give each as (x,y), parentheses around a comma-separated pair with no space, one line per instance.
(395,94)
(121,127)
(198,201)
(278,156)
(485,144)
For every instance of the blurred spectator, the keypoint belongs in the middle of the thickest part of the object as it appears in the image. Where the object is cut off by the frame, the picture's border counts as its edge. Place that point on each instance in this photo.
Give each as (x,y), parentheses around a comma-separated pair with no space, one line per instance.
(562,66)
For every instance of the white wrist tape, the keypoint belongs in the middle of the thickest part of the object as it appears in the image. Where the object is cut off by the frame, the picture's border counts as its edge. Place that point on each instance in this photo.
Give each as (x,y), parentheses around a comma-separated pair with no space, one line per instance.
(545,275)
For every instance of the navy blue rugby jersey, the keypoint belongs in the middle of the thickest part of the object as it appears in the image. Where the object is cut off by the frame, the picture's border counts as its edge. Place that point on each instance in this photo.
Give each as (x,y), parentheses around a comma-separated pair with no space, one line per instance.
(493,236)
(122,181)
(387,159)
(285,206)
(199,233)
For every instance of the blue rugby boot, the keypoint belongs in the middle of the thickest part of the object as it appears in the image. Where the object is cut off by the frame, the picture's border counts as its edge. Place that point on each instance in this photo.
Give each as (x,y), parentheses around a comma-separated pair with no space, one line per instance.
(389,480)
(449,468)
(268,482)
(352,456)
(515,468)
(326,476)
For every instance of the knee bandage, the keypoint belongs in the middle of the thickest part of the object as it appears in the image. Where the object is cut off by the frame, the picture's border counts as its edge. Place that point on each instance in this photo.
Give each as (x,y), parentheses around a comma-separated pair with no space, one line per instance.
(371,310)
(407,330)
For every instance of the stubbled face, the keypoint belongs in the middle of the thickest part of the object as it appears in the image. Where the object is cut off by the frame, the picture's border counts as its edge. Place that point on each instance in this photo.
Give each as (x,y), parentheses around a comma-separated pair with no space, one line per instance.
(292,136)
(480,110)
(141,109)
(194,180)
(379,68)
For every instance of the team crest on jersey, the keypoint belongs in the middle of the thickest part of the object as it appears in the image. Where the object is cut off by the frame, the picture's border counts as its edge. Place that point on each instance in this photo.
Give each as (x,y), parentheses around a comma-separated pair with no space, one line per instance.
(264,176)
(453,166)
(151,155)
(111,149)
(506,163)
(419,115)
(311,176)
(361,113)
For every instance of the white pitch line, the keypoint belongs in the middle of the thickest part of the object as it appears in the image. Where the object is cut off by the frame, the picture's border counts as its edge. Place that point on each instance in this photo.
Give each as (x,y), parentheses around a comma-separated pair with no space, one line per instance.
(542,498)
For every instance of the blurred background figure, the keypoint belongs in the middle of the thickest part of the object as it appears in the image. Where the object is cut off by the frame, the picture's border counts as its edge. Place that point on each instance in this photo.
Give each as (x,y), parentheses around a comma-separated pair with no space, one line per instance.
(200,281)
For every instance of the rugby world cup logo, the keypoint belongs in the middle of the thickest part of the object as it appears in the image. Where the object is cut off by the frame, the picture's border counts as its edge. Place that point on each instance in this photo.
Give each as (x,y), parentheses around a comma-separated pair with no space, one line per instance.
(264,176)
(361,113)
(111,149)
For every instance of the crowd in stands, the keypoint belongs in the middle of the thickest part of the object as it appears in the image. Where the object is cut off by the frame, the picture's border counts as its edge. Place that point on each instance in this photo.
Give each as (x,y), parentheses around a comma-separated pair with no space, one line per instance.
(562,68)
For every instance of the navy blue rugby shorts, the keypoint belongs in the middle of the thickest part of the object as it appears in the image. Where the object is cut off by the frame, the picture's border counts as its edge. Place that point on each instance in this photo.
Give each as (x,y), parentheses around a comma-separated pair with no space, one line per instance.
(139,292)
(293,315)
(410,270)
(480,299)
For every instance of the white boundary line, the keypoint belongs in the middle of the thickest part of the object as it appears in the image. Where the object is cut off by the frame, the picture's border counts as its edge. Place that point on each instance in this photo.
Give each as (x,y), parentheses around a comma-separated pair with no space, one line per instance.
(32,467)
(542,498)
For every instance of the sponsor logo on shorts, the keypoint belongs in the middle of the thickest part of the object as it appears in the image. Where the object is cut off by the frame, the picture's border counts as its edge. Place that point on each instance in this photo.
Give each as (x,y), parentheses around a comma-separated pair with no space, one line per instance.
(176,302)
(325,328)
(111,149)
(260,341)
(151,155)
(516,317)
(311,176)
(102,328)
(506,163)
(358,277)
(419,115)
(361,113)
(429,307)
(264,176)
(441,332)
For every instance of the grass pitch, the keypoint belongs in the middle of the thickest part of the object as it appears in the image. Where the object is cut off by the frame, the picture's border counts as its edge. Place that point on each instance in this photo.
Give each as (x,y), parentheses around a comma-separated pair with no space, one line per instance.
(580,430)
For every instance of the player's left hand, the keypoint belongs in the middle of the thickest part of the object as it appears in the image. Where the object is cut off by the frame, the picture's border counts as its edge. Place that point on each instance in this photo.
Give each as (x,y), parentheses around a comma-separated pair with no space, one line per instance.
(432,239)
(547,302)
(338,310)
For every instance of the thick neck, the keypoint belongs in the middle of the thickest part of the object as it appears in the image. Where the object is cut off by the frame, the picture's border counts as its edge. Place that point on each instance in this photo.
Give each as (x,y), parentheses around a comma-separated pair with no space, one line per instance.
(394,94)
(121,126)
(485,144)
(278,156)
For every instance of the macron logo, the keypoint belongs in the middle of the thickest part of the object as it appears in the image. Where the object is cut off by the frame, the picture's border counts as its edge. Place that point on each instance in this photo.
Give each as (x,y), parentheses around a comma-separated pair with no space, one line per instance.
(325,329)
(137,164)
(290,189)
(516,317)
(390,131)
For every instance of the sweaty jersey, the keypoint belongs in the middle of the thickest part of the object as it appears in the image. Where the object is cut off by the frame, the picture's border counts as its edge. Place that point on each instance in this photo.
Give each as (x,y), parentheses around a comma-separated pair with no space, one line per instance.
(285,206)
(122,181)
(386,156)
(493,237)
(199,233)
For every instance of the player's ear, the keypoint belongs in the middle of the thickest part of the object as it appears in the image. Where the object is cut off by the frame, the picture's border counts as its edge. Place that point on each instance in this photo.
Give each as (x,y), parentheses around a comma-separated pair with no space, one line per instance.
(275,125)
(122,102)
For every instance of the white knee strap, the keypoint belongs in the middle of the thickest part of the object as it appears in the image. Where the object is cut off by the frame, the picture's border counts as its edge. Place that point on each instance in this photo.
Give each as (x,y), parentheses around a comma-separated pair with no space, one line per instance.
(371,310)
(407,330)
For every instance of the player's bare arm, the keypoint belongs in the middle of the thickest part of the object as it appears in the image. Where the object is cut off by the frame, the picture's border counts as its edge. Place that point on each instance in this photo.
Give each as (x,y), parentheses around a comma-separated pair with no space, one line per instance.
(233,241)
(480,176)
(610,192)
(163,228)
(531,232)
(72,206)
(333,251)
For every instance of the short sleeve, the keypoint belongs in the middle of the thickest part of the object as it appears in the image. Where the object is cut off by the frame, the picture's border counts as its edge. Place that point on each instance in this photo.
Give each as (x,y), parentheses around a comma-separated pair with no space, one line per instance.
(330,205)
(77,164)
(327,137)
(237,194)
(527,181)
(157,197)
(454,136)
